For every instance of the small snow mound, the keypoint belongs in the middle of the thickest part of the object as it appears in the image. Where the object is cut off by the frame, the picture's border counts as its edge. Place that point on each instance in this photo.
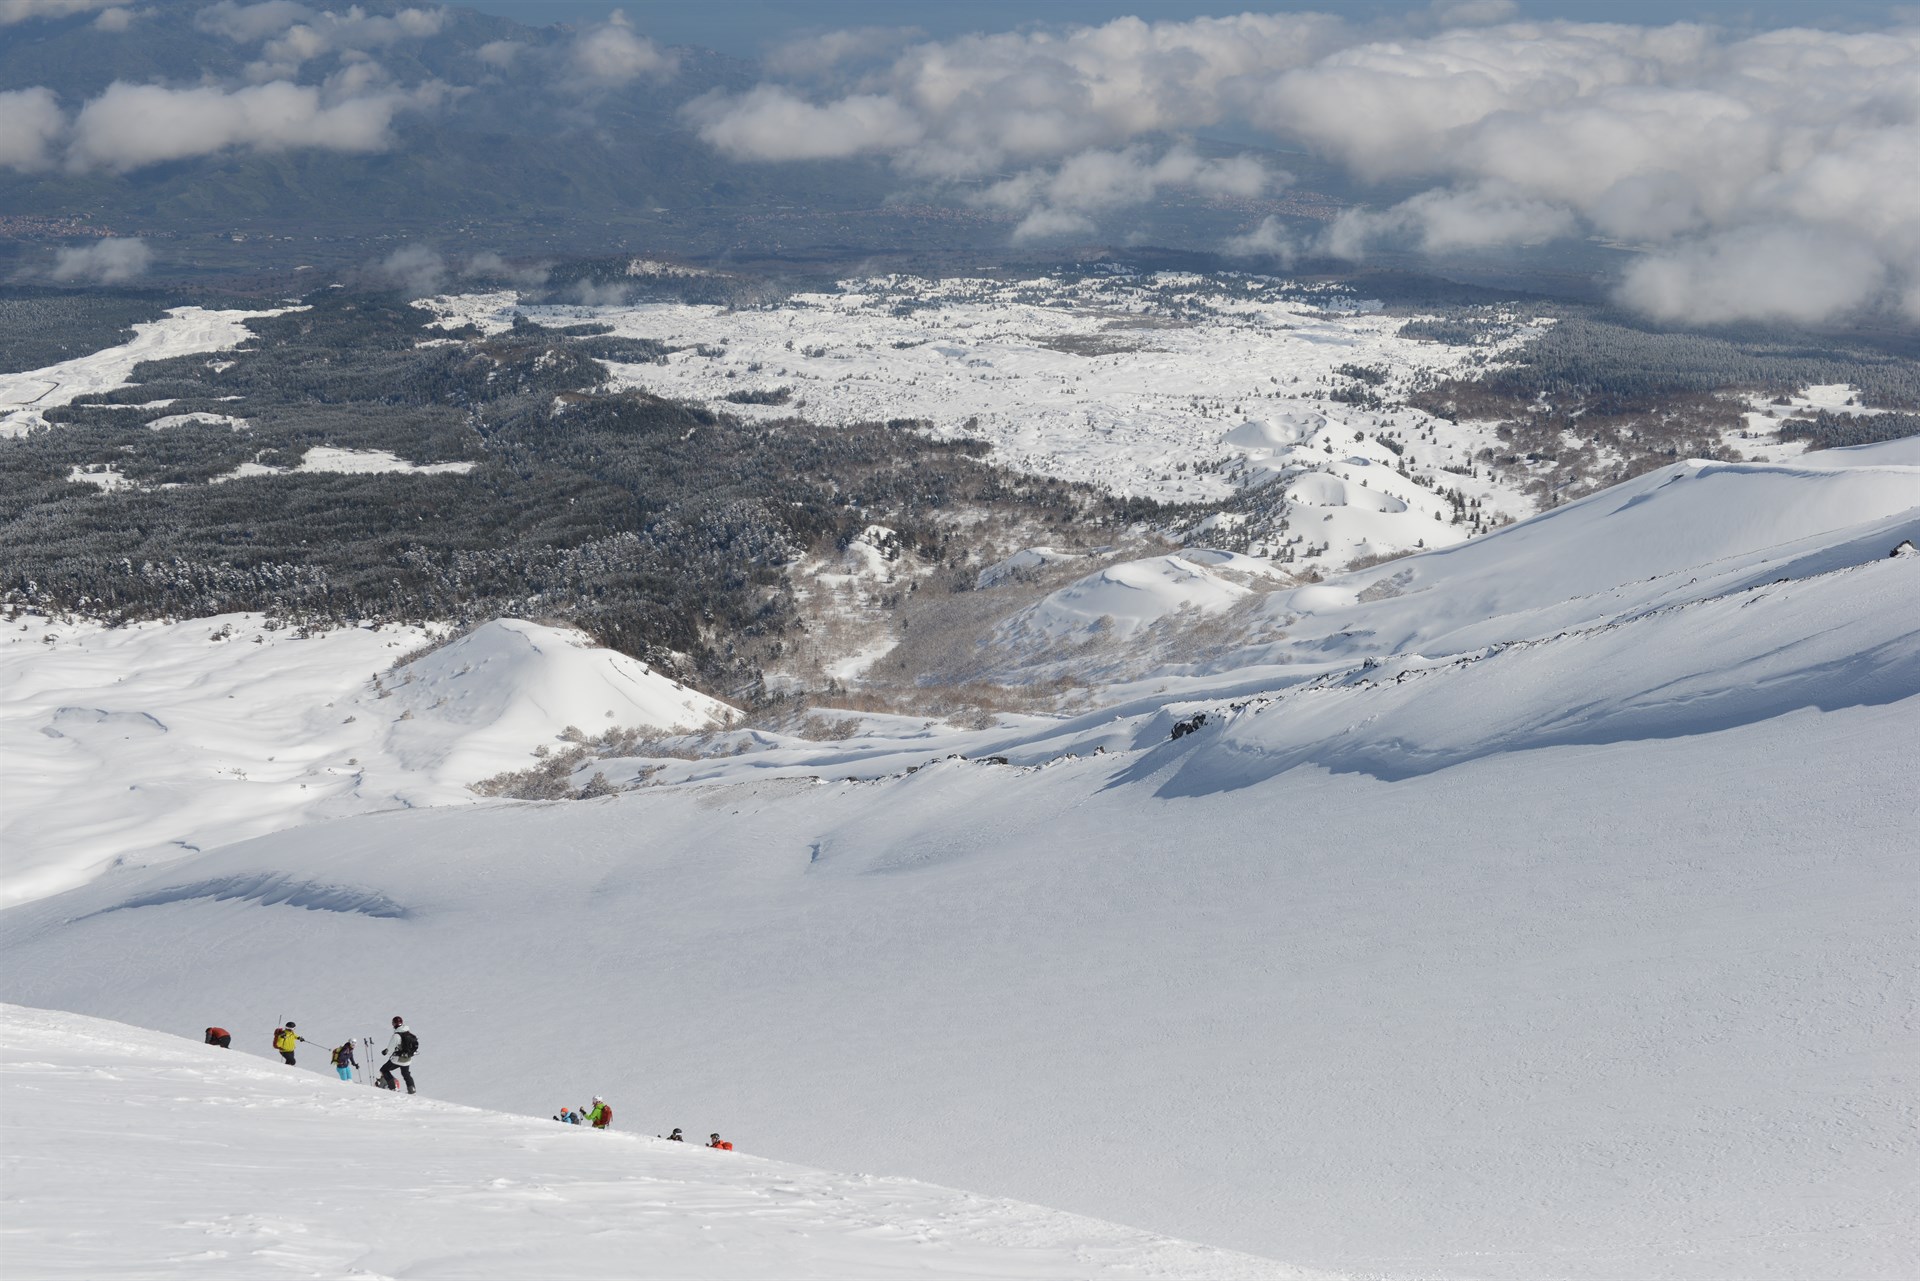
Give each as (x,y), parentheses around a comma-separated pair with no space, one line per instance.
(1279,432)
(477,706)
(1023,564)
(199,419)
(1125,598)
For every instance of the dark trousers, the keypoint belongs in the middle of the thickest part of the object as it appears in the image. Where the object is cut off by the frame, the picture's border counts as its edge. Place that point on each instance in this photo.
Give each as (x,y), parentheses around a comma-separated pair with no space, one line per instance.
(224,1042)
(386,1074)
(288,1056)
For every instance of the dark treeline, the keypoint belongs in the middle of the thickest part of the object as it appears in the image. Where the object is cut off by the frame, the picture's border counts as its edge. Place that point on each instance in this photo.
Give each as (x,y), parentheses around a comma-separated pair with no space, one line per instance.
(662,529)
(44,326)
(1826,430)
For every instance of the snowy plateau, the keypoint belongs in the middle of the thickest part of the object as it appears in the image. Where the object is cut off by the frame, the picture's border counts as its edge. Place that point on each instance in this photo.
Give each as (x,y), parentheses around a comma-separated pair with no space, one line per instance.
(1538,906)
(1181,388)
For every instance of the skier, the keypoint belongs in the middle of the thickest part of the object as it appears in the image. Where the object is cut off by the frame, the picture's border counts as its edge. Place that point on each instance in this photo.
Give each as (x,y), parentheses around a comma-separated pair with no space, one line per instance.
(284,1039)
(344,1062)
(400,1052)
(715,1141)
(567,1116)
(676,1136)
(221,1037)
(600,1116)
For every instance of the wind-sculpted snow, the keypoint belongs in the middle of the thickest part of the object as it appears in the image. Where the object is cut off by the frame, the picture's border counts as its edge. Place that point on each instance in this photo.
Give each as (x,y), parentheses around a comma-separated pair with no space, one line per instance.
(1800,644)
(270,889)
(139,1155)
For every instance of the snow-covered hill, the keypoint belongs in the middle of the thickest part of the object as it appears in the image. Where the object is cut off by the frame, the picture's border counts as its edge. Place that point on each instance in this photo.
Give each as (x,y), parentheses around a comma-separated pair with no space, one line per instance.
(156,740)
(1541,906)
(135,1154)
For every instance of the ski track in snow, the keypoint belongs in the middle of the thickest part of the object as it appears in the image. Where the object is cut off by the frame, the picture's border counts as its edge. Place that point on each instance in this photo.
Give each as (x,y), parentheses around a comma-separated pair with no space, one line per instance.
(131,1154)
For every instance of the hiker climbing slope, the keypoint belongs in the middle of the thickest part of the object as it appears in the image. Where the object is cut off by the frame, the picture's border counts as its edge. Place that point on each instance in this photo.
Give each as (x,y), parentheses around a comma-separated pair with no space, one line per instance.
(400,1051)
(284,1039)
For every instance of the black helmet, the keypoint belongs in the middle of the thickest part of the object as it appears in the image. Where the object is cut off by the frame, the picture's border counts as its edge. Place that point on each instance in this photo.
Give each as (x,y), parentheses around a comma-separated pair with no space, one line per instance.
(397,1020)
(289,1022)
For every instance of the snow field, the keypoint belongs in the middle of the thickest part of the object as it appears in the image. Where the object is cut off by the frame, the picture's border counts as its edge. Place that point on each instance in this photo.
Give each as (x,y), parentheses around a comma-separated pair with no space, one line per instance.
(1164,386)
(134,1154)
(1602,1010)
(183,331)
(155,740)
(1538,906)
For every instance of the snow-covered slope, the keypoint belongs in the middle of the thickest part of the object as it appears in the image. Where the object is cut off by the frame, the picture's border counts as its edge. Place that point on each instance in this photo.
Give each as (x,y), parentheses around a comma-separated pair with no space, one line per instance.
(134,1154)
(153,741)
(1538,907)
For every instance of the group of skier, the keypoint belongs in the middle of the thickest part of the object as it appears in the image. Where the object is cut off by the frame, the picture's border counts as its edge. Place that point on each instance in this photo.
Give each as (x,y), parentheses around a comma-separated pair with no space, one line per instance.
(401,1047)
(600,1117)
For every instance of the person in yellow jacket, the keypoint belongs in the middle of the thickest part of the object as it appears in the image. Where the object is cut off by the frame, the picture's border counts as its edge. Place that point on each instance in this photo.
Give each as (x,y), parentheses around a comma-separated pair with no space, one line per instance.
(284,1039)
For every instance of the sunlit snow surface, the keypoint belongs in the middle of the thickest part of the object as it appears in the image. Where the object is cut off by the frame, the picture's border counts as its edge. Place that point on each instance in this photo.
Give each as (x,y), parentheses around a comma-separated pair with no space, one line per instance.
(1542,906)
(153,741)
(132,1154)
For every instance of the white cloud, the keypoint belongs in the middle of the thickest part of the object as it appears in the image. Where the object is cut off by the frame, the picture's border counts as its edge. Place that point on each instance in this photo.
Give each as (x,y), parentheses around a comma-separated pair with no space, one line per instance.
(1679,140)
(129,126)
(1270,239)
(418,269)
(250,23)
(499,53)
(819,54)
(771,123)
(970,107)
(492,266)
(1445,220)
(612,53)
(31,123)
(107,261)
(1794,273)
(114,21)
(12,11)
(291,35)
(1059,200)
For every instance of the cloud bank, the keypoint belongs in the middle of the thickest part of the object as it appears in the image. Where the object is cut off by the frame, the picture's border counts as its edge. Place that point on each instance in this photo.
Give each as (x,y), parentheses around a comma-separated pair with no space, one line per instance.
(107,262)
(130,126)
(13,11)
(1792,153)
